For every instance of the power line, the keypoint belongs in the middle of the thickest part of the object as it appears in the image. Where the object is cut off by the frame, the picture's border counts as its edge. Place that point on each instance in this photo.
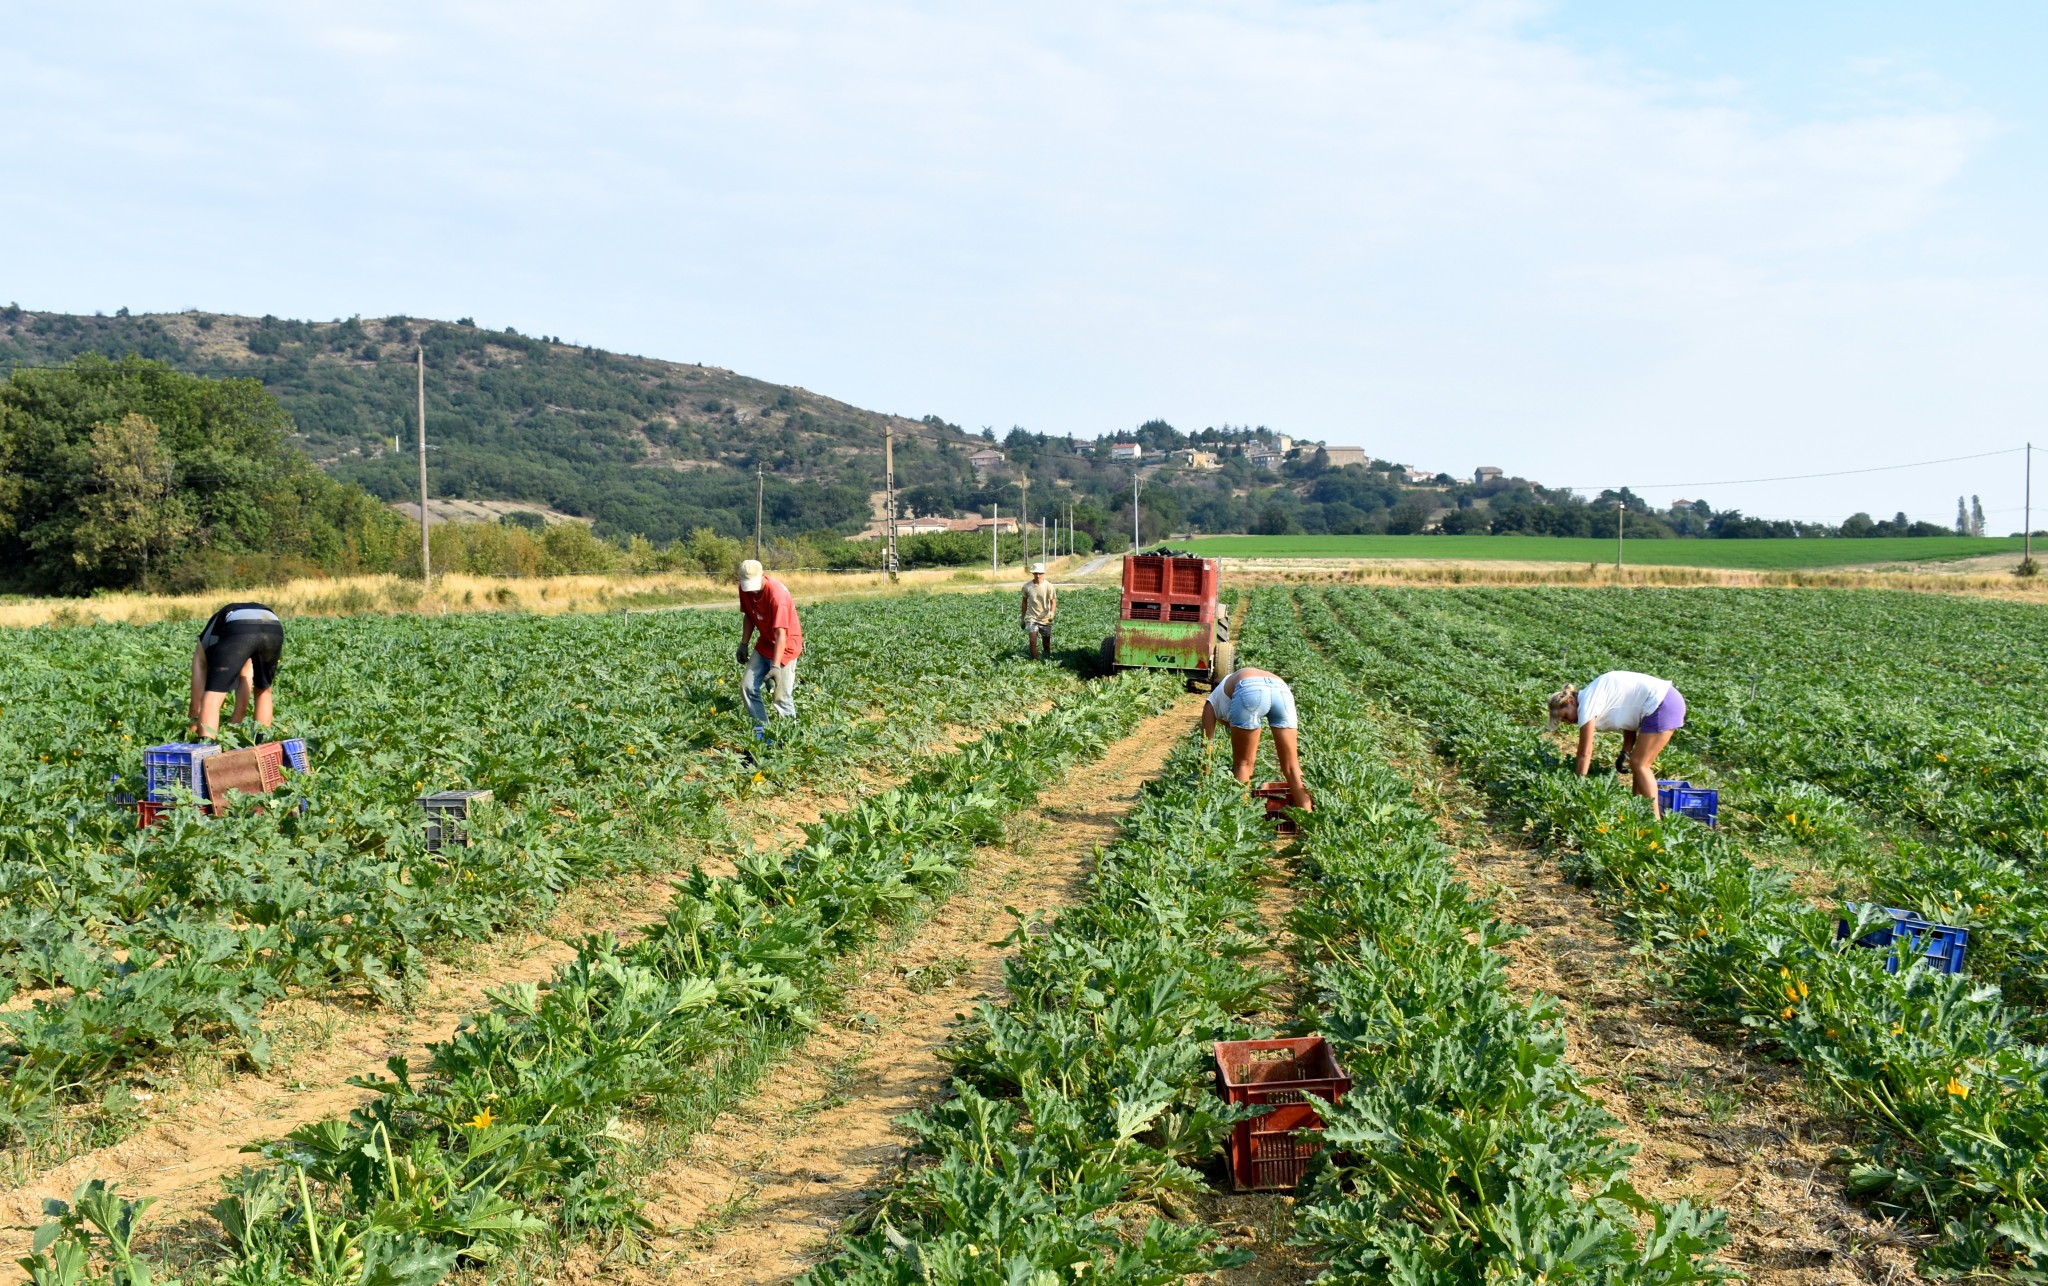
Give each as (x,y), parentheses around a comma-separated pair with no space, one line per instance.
(1795,477)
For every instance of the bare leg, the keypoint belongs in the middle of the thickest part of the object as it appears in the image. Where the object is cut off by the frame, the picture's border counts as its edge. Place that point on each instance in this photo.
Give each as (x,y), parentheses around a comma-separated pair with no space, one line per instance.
(209,714)
(1627,756)
(265,708)
(1643,764)
(195,709)
(245,690)
(1244,752)
(1288,751)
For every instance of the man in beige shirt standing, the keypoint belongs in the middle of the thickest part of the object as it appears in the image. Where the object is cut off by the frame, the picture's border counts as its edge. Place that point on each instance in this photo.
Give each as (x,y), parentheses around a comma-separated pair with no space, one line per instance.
(1041,603)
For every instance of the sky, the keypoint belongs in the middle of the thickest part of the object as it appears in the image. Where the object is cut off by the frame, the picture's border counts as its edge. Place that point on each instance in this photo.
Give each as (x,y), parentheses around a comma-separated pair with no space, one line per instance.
(1592,242)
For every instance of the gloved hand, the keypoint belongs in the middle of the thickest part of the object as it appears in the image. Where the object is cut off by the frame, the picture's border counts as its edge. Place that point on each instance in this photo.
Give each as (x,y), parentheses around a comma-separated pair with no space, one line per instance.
(740,654)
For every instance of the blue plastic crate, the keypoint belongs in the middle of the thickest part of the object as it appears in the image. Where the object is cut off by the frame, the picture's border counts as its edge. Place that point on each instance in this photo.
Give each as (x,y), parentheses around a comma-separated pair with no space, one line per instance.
(1910,935)
(1697,802)
(295,754)
(176,764)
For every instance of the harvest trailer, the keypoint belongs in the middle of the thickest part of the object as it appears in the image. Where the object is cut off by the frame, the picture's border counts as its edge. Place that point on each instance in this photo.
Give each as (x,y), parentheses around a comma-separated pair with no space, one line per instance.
(1170,619)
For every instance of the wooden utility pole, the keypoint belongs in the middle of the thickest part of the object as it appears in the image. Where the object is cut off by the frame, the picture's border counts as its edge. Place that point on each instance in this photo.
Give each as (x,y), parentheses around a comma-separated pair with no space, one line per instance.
(889,488)
(1024,518)
(426,557)
(760,484)
(995,537)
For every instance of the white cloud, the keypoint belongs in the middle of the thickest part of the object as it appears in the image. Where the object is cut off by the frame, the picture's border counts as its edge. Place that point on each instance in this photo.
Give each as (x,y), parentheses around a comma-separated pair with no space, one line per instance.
(1414,226)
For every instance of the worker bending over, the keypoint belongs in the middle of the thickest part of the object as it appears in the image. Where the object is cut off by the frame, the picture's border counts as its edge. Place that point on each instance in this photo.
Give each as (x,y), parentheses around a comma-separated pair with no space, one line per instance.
(1644,709)
(1041,603)
(767,611)
(1246,699)
(239,649)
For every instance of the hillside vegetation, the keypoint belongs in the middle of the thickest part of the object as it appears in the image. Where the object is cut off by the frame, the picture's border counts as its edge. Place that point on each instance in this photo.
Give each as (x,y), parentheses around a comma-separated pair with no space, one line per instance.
(642,447)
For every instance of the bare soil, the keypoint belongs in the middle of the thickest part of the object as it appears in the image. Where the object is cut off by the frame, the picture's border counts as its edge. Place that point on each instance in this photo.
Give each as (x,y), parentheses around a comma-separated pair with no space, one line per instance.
(196,1130)
(1714,1124)
(759,1196)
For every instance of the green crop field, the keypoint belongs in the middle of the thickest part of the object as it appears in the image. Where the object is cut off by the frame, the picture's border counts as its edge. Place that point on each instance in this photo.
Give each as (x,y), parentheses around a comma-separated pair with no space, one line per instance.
(1871,749)
(1750,555)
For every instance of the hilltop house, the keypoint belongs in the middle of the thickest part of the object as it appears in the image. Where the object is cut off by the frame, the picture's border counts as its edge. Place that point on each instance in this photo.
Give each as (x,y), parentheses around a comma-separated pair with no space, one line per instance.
(1126,450)
(1190,458)
(1485,473)
(986,460)
(1419,476)
(1341,456)
(1265,458)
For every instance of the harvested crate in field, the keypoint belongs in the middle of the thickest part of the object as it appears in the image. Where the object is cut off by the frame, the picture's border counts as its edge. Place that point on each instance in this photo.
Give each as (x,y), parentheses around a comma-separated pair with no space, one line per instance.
(448,816)
(1285,1076)
(256,770)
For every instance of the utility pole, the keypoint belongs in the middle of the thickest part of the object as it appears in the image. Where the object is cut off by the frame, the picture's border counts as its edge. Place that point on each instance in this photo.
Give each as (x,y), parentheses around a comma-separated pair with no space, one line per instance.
(426,564)
(889,486)
(1024,518)
(760,483)
(995,538)
(1620,514)
(1134,511)
(2028,523)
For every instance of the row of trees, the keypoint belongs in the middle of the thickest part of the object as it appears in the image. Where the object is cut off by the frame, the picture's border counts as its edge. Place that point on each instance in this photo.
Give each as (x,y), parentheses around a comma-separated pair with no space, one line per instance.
(117,474)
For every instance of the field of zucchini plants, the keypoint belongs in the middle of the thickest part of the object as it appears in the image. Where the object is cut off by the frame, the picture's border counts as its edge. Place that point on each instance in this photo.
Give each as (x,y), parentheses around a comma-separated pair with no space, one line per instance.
(606,740)
(1868,748)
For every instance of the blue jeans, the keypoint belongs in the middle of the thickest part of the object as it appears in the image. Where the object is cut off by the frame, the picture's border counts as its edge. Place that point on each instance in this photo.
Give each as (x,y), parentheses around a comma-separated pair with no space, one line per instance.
(760,674)
(1261,699)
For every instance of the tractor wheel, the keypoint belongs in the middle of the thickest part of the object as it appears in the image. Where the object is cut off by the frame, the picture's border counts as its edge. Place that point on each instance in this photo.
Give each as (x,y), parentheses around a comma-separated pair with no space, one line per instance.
(1222,627)
(1222,660)
(1106,656)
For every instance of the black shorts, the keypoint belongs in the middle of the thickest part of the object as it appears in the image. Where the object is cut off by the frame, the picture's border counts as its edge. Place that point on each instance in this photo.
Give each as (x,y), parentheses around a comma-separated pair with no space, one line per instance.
(230,645)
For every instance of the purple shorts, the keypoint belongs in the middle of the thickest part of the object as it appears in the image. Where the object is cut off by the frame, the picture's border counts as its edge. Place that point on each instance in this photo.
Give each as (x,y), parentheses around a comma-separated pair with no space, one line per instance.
(1669,716)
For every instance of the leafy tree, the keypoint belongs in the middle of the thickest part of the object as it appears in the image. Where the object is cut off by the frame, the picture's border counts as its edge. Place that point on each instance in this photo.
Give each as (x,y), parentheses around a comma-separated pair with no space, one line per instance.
(129,509)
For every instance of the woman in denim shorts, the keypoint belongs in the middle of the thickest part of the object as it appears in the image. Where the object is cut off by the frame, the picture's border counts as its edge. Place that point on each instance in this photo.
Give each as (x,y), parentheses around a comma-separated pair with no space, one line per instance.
(1248,699)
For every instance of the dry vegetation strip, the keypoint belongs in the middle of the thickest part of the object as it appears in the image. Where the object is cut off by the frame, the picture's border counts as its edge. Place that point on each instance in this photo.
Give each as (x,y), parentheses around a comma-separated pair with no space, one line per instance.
(759,1194)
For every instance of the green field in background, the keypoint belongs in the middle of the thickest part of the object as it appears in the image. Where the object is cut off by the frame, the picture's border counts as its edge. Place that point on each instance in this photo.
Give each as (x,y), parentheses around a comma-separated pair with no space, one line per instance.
(1762,555)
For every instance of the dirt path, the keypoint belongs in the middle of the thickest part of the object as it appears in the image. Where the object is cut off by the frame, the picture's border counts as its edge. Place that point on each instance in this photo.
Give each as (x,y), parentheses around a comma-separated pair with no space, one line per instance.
(1713,1124)
(197,1137)
(759,1195)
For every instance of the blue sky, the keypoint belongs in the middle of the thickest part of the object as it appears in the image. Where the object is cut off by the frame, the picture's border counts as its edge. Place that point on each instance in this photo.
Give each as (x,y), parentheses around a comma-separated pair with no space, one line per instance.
(1595,243)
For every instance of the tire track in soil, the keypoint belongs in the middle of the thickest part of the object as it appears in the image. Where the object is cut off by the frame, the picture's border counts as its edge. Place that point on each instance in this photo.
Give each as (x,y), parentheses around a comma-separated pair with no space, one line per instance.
(179,1157)
(1712,1123)
(760,1194)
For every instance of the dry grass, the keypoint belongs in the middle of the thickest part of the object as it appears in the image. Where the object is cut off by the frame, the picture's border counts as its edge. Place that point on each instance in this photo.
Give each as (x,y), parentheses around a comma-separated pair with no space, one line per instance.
(542,595)
(552,595)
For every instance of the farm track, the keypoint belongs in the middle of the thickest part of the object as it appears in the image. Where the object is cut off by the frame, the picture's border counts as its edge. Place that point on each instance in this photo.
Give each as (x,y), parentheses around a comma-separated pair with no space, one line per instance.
(1713,1125)
(759,1195)
(178,1158)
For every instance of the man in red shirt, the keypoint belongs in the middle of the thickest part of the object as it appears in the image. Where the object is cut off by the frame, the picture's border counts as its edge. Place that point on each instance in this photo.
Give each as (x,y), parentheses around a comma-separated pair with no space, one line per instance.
(767,610)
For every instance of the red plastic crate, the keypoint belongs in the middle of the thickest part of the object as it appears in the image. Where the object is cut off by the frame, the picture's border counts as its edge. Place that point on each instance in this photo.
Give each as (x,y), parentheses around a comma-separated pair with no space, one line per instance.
(1278,801)
(1269,1151)
(148,812)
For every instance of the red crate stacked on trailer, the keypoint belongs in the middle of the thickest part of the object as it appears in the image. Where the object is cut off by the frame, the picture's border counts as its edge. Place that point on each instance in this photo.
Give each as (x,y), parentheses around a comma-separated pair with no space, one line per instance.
(1159,587)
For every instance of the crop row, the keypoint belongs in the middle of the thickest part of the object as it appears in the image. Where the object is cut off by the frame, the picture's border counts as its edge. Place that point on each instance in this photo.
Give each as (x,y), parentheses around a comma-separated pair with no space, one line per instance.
(1950,1101)
(528,1122)
(1893,737)
(606,741)
(1467,1150)
(1087,1095)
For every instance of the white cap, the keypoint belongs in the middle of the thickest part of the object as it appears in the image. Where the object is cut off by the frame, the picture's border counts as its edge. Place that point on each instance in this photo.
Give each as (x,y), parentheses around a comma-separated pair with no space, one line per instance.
(1038,569)
(750,576)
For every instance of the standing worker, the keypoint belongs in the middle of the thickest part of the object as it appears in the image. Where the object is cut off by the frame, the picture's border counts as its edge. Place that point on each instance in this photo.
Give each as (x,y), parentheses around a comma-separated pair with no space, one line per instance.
(239,649)
(1643,708)
(1041,603)
(767,610)
(1246,699)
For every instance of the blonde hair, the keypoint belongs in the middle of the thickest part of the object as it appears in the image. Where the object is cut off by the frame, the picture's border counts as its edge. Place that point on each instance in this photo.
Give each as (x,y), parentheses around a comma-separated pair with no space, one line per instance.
(1558,699)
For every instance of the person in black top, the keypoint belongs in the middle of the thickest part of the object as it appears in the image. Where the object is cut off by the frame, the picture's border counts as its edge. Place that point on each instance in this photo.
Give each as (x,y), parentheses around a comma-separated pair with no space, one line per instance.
(239,649)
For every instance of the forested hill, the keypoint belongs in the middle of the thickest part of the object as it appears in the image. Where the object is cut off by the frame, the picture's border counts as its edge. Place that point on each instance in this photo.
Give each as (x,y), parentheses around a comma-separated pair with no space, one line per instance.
(642,446)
